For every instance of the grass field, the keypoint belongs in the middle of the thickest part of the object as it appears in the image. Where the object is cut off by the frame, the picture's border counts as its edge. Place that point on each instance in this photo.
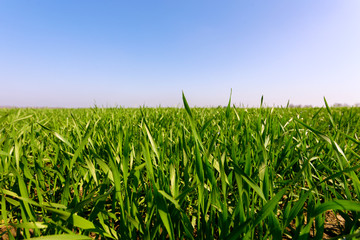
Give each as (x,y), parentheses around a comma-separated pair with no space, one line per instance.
(180,173)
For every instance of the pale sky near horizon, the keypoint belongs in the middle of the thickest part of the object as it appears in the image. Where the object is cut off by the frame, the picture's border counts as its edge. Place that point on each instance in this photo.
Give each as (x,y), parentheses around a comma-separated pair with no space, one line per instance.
(63,53)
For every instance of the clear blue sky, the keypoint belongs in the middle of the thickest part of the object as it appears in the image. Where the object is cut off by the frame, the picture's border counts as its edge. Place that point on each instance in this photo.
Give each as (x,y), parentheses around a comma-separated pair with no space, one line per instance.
(63,53)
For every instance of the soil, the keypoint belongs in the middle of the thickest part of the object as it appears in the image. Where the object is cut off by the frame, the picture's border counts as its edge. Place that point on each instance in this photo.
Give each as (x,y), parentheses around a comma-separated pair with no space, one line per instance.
(4,231)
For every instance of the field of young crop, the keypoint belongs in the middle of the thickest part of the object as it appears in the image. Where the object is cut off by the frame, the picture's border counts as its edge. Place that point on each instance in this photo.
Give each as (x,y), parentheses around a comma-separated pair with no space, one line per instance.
(180,173)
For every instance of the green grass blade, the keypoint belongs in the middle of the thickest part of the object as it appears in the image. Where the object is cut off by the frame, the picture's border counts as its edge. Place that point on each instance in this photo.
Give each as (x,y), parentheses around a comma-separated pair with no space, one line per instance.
(62,237)
(336,205)
(228,108)
(249,181)
(186,105)
(268,207)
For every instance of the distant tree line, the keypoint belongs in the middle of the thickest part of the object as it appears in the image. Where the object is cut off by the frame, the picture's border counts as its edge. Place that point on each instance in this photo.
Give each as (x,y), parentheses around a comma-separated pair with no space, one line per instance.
(334,105)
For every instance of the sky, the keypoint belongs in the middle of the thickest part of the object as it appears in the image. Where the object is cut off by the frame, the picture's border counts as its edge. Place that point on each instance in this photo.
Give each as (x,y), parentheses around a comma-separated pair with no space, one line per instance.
(82,53)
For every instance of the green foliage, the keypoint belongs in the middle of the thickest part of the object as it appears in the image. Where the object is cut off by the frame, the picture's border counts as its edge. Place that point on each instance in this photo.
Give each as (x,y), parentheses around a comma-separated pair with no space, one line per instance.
(173,173)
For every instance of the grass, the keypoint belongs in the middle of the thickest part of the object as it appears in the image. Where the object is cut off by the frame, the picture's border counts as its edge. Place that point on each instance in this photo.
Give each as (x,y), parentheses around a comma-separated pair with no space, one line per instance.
(168,173)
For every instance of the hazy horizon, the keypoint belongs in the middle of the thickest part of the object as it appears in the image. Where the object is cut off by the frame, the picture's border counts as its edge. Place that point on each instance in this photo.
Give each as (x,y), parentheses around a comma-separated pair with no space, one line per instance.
(78,54)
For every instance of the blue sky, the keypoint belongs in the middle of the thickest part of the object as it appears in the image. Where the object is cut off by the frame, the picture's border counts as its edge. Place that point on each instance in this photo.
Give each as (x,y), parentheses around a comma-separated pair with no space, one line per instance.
(133,53)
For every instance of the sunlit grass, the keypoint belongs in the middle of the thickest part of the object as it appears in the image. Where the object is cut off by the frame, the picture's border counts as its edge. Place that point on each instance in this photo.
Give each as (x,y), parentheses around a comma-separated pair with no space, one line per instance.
(171,173)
